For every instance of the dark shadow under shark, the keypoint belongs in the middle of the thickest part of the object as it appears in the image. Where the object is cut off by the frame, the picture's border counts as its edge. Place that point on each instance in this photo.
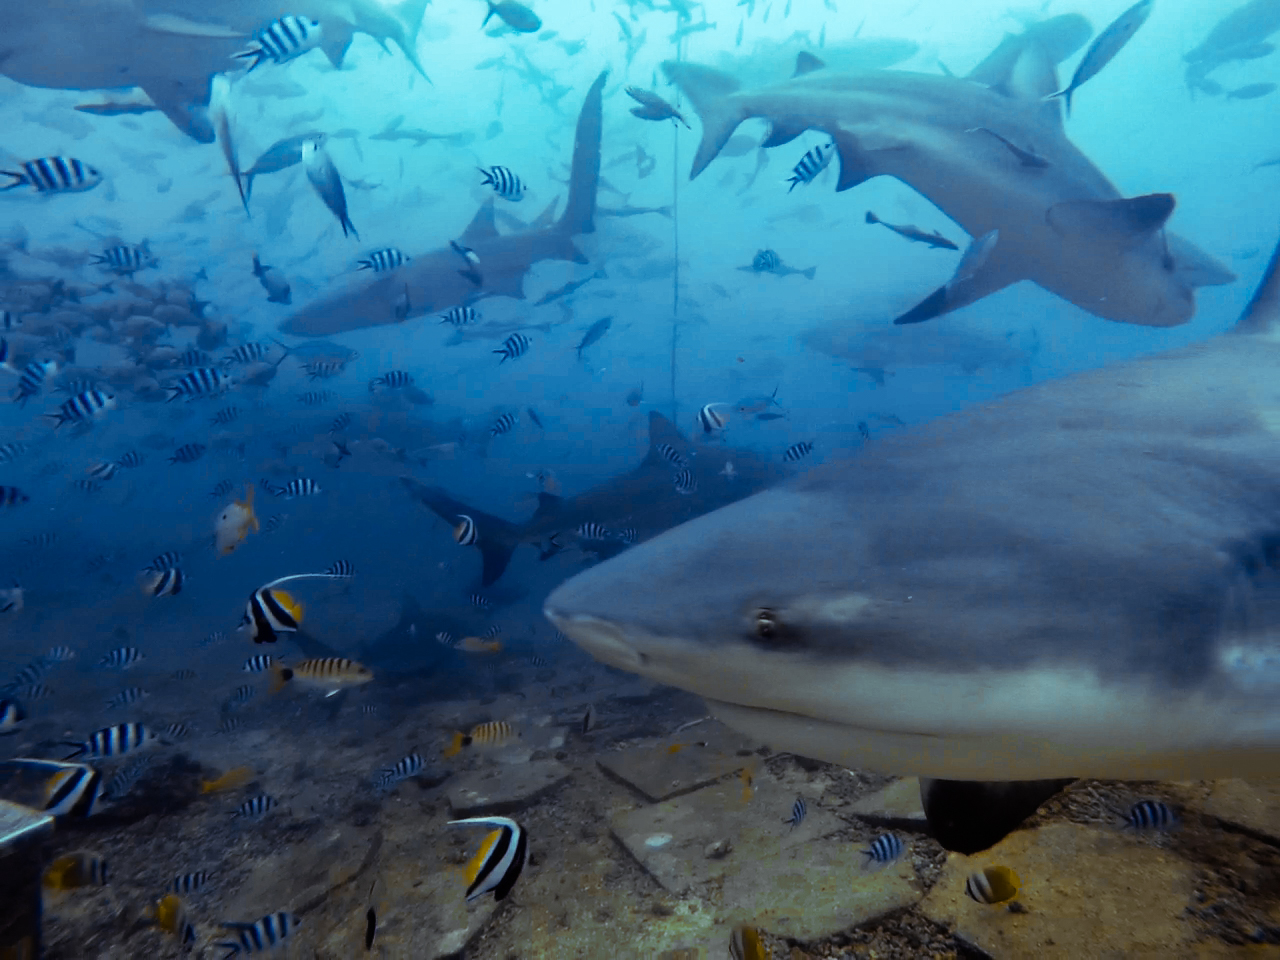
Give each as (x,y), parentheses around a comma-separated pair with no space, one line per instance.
(435,281)
(644,500)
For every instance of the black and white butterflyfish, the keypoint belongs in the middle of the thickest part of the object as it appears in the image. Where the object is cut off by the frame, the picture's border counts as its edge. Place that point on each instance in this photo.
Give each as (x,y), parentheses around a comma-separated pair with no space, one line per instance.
(84,407)
(282,40)
(460,316)
(126,258)
(385,259)
(54,175)
(200,382)
(685,483)
(163,583)
(798,451)
(297,487)
(122,658)
(260,936)
(505,183)
(514,346)
(466,532)
(188,453)
(404,768)
(272,611)
(115,741)
(392,380)
(504,424)
(670,454)
(496,866)
(811,164)
(713,417)
(765,261)
(592,531)
(72,790)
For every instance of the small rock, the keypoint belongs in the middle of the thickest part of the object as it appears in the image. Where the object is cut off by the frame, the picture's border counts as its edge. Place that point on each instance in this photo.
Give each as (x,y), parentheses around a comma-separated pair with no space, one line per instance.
(718,850)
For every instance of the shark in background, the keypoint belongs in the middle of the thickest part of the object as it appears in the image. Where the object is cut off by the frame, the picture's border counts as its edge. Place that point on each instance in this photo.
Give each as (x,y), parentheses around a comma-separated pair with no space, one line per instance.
(172,49)
(1080,579)
(990,151)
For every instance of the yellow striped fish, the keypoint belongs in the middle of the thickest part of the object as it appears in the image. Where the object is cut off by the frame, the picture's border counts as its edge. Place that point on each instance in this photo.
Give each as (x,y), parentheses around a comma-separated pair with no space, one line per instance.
(330,674)
(495,733)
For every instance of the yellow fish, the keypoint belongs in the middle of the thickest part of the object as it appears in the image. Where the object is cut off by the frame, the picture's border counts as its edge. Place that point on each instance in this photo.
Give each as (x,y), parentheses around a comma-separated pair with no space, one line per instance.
(228,781)
(745,944)
(169,914)
(746,777)
(330,674)
(495,733)
(75,870)
(993,885)
(234,524)
(479,645)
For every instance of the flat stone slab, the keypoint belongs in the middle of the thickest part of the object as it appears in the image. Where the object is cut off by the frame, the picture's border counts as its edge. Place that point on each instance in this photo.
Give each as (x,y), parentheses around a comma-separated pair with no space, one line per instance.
(900,800)
(790,881)
(505,789)
(1254,805)
(1086,892)
(680,763)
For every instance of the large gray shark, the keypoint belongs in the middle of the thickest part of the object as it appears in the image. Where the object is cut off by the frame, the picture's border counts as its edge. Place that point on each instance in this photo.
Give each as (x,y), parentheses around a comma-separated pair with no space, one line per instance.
(991,153)
(440,279)
(643,500)
(1080,579)
(173,48)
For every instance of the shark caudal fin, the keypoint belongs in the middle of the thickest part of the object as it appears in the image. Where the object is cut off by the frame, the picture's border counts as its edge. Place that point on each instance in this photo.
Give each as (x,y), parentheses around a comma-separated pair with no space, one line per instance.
(584,174)
(495,538)
(1262,315)
(711,93)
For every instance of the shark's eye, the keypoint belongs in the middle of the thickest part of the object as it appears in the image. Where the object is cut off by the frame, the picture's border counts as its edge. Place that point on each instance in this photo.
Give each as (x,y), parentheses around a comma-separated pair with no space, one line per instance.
(766,623)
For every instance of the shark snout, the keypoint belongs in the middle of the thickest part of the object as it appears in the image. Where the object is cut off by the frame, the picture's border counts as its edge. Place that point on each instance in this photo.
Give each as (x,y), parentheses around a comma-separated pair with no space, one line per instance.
(605,641)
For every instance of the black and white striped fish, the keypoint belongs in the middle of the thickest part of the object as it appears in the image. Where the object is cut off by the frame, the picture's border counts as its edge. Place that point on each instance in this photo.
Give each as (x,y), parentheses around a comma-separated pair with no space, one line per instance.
(446,639)
(713,417)
(281,40)
(298,487)
(32,379)
(798,811)
(1151,815)
(324,369)
(251,352)
(505,183)
(258,937)
(59,654)
(122,658)
(765,261)
(163,583)
(387,258)
(188,453)
(200,382)
(11,451)
(504,424)
(811,164)
(274,523)
(115,741)
(313,398)
(798,451)
(626,535)
(33,671)
(404,768)
(127,696)
(84,407)
(126,258)
(593,531)
(244,693)
(183,674)
(685,483)
(191,357)
(479,601)
(75,790)
(883,850)
(342,568)
(132,460)
(35,691)
(258,663)
(466,532)
(512,347)
(670,454)
(87,485)
(497,866)
(165,561)
(222,488)
(255,806)
(103,471)
(54,175)
(190,882)
(12,496)
(340,423)
(177,731)
(126,778)
(216,637)
(460,316)
(39,541)
(392,380)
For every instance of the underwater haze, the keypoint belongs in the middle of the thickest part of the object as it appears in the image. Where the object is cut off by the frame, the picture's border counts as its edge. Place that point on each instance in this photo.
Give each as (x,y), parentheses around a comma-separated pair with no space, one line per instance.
(649,479)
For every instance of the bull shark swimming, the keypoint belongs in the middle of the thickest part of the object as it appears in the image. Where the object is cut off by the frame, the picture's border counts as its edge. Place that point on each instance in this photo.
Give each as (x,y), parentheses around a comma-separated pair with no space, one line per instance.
(1080,579)
(963,144)
(644,501)
(440,279)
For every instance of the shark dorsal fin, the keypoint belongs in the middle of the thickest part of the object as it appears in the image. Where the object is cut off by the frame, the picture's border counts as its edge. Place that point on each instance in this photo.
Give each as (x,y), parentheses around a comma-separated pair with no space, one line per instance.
(1262,315)
(547,217)
(806,62)
(1122,222)
(548,506)
(481,226)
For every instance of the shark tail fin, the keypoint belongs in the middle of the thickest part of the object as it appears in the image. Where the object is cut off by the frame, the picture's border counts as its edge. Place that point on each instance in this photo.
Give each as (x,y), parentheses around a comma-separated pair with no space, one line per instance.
(410,13)
(808,273)
(1262,315)
(584,176)
(496,539)
(710,91)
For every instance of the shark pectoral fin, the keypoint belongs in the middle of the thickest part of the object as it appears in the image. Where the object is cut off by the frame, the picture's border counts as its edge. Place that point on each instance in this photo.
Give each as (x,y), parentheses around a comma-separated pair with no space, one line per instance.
(1195,267)
(185,110)
(1122,223)
(853,170)
(549,506)
(976,276)
(783,131)
(336,41)
(807,63)
(711,93)
(481,226)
